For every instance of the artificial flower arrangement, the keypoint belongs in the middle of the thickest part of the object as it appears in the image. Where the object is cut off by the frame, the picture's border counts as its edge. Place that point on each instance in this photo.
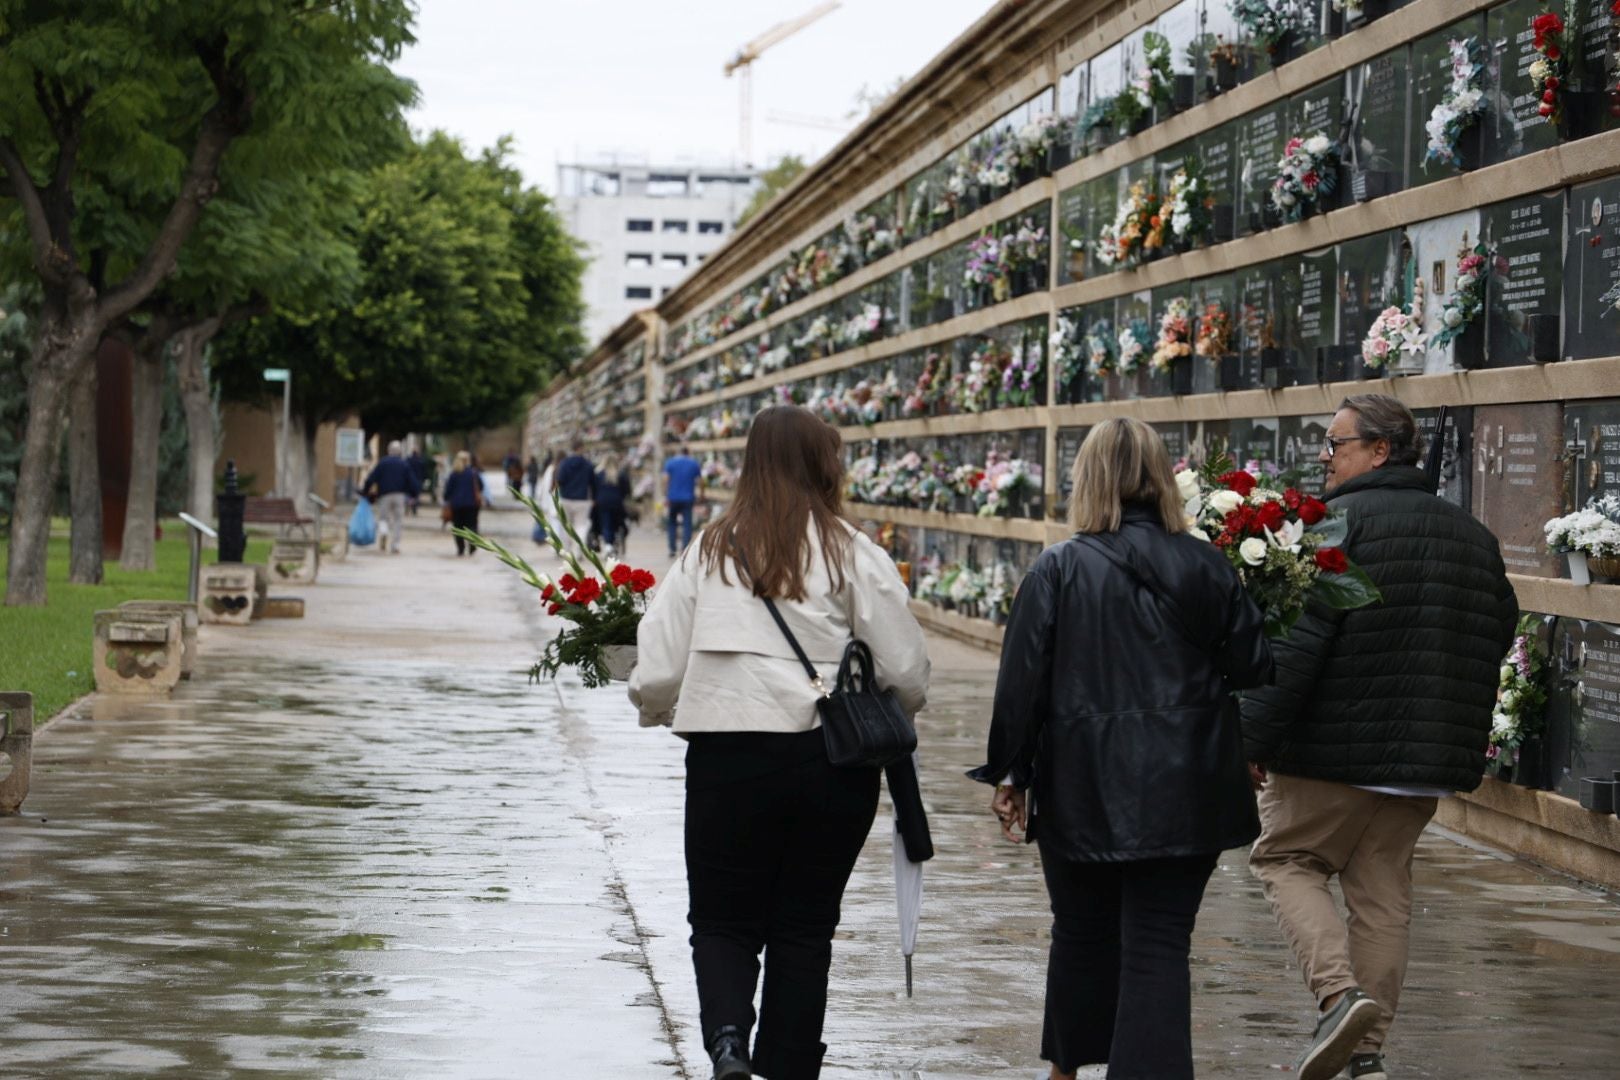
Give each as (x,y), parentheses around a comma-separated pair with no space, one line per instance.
(1397,333)
(861,327)
(1460,107)
(1067,351)
(1004,485)
(1188,202)
(1284,545)
(602,600)
(1175,335)
(1468,299)
(1102,356)
(973,389)
(1550,70)
(1307,171)
(1152,84)
(1214,332)
(1521,696)
(1133,346)
(817,335)
(1035,140)
(1593,530)
(926,391)
(1026,249)
(1021,378)
(1267,22)
(986,268)
(1131,234)
(995,164)
(716,473)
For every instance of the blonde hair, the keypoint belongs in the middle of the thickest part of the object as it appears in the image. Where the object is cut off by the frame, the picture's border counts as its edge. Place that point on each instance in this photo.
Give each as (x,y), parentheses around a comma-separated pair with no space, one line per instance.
(1123,460)
(609,466)
(463,459)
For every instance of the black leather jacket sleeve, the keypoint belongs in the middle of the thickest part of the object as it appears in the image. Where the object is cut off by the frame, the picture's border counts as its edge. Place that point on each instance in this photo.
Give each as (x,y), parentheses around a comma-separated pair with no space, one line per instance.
(1023,685)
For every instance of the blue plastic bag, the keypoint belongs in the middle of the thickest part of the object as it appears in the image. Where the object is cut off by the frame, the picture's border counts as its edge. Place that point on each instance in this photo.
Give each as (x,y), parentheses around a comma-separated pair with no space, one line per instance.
(362,525)
(538,534)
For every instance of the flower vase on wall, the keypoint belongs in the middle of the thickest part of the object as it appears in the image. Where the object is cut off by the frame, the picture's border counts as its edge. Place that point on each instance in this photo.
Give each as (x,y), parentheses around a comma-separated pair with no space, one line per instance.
(1226,74)
(1181,376)
(1543,332)
(1283,50)
(1059,154)
(1468,347)
(1223,222)
(1230,375)
(1579,574)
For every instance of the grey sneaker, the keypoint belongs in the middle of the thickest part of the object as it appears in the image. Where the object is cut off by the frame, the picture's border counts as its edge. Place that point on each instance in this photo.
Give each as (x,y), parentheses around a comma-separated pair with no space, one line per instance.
(1337,1033)
(1368,1067)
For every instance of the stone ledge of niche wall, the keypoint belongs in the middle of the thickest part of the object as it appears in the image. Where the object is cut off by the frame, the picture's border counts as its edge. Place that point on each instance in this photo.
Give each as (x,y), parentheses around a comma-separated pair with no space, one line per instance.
(988,636)
(1560,596)
(1550,810)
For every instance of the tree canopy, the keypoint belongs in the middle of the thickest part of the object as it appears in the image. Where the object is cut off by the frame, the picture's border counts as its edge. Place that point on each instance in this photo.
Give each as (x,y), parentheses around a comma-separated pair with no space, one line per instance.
(773,181)
(467,296)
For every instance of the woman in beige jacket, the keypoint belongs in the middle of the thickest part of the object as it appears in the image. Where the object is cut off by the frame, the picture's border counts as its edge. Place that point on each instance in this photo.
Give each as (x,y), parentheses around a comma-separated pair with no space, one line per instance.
(772,829)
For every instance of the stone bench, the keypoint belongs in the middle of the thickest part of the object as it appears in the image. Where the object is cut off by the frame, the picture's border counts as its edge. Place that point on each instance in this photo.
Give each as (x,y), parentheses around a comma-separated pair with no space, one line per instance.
(188,627)
(138,652)
(231,594)
(16,749)
(294,561)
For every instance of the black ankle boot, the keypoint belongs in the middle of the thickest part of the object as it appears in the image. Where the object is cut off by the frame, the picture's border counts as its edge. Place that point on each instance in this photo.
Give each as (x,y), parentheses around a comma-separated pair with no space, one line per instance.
(728,1048)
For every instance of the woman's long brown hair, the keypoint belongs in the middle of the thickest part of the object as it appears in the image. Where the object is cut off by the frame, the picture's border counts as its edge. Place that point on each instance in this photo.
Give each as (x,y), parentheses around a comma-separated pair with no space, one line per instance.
(792,474)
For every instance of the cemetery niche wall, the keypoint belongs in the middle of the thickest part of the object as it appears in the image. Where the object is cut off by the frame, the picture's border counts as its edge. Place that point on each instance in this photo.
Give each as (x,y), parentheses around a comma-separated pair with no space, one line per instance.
(1191,215)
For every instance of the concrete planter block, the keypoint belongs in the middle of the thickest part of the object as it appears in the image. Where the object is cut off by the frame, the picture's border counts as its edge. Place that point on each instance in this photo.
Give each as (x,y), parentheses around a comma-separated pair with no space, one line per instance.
(16,749)
(138,652)
(188,626)
(294,562)
(227,594)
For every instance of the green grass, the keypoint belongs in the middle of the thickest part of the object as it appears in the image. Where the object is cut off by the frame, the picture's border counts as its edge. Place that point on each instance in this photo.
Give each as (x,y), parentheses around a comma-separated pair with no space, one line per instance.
(46,651)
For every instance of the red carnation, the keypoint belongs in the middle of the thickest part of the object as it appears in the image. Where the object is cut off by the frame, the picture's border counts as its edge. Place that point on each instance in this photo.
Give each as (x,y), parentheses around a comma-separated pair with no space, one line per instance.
(1552,82)
(641,580)
(1553,53)
(1549,97)
(1332,560)
(621,575)
(553,609)
(1312,510)
(586,591)
(1292,498)
(1544,109)
(1239,481)
(548,592)
(568,583)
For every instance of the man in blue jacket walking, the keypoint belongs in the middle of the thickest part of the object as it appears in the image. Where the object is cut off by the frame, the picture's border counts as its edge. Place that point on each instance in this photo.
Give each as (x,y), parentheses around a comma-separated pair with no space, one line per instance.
(392,481)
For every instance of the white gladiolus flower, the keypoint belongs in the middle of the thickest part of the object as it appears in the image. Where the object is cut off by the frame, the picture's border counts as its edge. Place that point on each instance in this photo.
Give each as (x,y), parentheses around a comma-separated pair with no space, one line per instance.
(1225,501)
(1253,551)
(1186,484)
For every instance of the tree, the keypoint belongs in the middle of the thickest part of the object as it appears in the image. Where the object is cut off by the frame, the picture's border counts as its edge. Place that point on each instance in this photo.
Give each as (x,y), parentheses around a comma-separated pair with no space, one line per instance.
(130,94)
(772,182)
(468,296)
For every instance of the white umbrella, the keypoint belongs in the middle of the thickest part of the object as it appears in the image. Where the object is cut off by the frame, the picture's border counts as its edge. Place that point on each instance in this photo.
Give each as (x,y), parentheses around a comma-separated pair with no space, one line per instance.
(908,875)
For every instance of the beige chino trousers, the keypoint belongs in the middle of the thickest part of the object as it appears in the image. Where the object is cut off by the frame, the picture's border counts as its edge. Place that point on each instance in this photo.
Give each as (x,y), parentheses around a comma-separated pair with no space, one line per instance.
(1312,830)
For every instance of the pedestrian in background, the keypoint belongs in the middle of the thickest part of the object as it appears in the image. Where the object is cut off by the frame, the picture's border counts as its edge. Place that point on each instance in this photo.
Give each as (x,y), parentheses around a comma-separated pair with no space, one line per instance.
(463,498)
(610,489)
(1377,713)
(532,474)
(392,482)
(574,483)
(683,483)
(420,479)
(772,828)
(1115,744)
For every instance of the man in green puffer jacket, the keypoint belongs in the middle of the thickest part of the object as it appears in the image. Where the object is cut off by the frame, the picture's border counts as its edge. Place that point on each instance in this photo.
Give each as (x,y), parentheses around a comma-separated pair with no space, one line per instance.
(1375,715)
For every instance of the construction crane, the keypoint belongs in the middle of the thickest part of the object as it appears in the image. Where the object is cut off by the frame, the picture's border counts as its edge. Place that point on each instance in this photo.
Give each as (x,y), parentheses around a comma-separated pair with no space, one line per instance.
(743,63)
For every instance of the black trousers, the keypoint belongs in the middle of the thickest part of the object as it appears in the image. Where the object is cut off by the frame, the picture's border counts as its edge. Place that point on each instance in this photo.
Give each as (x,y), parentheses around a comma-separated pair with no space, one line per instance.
(772,834)
(464,517)
(1118,988)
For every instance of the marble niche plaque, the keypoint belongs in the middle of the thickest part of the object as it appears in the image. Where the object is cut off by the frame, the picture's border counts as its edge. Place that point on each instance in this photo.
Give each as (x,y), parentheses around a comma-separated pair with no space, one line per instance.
(1253,440)
(1456,476)
(1592,271)
(1595,736)
(1431,78)
(1592,69)
(1435,244)
(1513,127)
(1218,293)
(1256,327)
(1518,465)
(1178,380)
(1260,144)
(1206,437)
(1375,153)
(1315,323)
(1174,434)
(1068,445)
(1319,110)
(1075,228)
(1299,444)
(1524,296)
(1592,448)
(1218,156)
(1369,280)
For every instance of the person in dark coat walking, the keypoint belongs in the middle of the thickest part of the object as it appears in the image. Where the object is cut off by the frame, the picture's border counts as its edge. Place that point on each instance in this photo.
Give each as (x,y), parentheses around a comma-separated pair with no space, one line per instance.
(1376,714)
(464,497)
(1116,746)
(609,491)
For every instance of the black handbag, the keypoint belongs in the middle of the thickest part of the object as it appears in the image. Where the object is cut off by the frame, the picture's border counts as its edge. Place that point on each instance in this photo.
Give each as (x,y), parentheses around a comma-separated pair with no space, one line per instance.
(864,726)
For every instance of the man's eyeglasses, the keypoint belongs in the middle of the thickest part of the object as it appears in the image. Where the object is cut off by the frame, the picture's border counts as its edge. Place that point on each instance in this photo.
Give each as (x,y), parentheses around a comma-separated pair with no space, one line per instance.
(1331,445)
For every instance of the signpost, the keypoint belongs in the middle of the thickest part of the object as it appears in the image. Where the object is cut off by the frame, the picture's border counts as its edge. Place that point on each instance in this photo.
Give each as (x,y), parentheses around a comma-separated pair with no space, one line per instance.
(284,377)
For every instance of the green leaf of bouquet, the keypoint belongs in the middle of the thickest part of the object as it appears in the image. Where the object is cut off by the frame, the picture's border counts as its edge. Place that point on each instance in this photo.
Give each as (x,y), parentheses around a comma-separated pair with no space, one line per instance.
(1351,589)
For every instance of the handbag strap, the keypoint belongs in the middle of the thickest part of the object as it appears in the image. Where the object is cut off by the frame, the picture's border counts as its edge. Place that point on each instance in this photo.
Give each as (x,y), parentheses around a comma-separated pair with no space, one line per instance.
(781,624)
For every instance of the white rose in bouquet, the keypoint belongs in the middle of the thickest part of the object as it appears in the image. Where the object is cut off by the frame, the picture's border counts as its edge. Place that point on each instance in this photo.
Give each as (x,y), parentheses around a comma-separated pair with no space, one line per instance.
(1186,485)
(1453,317)
(1225,502)
(1253,551)
(1318,145)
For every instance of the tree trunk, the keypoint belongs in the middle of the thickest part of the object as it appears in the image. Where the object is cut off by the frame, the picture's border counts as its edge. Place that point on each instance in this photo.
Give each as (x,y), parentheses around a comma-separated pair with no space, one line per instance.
(84,482)
(140,520)
(36,478)
(299,455)
(197,398)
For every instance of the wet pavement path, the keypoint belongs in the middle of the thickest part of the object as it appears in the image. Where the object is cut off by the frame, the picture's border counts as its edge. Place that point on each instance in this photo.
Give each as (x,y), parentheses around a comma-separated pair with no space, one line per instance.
(361,846)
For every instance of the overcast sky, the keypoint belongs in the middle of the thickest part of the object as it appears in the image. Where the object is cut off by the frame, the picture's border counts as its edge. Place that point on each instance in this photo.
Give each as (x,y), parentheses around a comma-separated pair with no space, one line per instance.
(644,79)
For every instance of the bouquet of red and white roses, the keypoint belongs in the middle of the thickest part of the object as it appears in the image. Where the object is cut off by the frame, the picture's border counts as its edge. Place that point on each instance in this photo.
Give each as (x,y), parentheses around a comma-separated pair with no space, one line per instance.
(602,599)
(1284,544)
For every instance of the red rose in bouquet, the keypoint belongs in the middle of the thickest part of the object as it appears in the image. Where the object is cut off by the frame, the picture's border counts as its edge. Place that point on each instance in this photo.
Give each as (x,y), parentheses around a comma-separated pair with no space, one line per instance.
(1312,511)
(1239,481)
(1332,560)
